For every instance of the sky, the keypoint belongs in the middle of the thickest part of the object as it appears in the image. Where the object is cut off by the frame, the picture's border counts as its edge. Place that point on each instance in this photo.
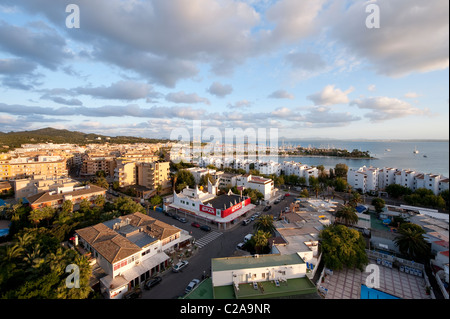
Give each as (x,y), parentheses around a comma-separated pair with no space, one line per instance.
(308,68)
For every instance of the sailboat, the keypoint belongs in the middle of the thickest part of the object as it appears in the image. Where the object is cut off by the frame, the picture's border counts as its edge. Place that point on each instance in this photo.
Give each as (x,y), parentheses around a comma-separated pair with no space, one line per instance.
(416,151)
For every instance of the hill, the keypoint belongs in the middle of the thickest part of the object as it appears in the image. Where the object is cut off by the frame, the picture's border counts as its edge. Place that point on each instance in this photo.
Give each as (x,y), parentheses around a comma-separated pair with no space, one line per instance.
(14,140)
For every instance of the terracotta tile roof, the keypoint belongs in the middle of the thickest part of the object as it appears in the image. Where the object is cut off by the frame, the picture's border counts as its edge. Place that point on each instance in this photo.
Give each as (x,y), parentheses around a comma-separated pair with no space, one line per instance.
(46,197)
(108,243)
(113,246)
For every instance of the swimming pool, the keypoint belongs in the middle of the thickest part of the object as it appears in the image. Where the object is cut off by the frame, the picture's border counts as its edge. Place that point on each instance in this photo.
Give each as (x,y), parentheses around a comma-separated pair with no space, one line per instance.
(370,293)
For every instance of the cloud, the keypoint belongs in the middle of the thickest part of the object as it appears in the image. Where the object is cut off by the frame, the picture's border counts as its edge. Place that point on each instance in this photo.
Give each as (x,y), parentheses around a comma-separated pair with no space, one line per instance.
(330,96)
(411,95)
(122,90)
(220,90)
(240,104)
(386,108)
(181,97)
(413,34)
(16,66)
(45,47)
(306,61)
(281,94)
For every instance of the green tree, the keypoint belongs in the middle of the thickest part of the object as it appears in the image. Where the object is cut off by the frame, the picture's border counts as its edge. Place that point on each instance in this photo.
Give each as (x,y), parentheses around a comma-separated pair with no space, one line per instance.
(156,200)
(346,215)
(341,170)
(261,240)
(396,191)
(340,184)
(265,224)
(342,247)
(411,242)
(378,204)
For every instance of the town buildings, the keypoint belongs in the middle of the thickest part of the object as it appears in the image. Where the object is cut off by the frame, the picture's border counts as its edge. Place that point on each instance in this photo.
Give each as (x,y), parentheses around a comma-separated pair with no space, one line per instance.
(56,197)
(372,179)
(222,209)
(130,249)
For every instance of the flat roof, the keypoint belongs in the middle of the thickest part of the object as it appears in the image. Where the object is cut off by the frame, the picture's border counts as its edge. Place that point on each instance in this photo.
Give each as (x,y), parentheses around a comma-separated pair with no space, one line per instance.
(220,201)
(255,261)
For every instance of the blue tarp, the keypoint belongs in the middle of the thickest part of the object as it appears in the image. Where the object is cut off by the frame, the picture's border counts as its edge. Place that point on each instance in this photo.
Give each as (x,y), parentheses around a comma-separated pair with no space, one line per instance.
(2,202)
(361,208)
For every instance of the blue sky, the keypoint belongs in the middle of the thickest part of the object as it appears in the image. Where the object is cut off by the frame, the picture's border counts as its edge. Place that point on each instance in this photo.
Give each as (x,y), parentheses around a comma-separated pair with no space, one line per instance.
(310,68)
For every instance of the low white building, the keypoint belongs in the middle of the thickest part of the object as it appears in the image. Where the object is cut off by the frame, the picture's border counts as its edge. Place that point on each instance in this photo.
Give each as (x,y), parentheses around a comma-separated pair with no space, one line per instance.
(130,249)
(264,185)
(257,268)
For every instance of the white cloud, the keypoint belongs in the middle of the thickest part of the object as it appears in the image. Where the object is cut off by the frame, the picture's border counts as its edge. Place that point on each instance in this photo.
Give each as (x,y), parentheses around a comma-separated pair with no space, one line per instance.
(220,90)
(330,96)
(413,34)
(386,108)
(281,94)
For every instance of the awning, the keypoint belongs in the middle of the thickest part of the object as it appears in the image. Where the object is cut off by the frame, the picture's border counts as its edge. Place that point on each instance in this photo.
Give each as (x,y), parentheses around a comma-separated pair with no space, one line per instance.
(145,266)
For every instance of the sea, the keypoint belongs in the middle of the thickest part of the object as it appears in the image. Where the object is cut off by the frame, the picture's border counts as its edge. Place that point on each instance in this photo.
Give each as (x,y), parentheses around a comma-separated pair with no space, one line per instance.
(432,156)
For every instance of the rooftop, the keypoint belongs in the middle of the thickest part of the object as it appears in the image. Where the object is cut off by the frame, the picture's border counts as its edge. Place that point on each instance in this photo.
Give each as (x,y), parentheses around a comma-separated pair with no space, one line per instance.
(256,261)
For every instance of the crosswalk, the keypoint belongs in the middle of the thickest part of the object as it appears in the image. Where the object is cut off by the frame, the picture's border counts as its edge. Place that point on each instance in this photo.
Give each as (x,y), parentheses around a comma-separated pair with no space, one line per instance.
(205,240)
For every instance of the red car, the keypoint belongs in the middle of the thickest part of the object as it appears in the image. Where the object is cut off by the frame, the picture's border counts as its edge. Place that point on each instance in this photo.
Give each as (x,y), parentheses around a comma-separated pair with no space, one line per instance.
(287,194)
(196,225)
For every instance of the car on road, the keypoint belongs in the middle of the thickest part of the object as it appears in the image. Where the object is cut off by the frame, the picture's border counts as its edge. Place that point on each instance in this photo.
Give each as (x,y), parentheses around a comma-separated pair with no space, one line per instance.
(267,208)
(191,285)
(253,217)
(180,265)
(196,225)
(133,294)
(175,217)
(246,222)
(205,228)
(240,246)
(287,195)
(182,220)
(150,283)
(277,201)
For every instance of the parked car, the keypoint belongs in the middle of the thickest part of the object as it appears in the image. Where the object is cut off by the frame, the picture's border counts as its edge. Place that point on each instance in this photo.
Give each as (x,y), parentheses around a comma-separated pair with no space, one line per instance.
(133,294)
(150,283)
(248,237)
(240,246)
(267,208)
(287,195)
(277,201)
(196,225)
(182,220)
(175,216)
(180,266)
(246,222)
(191,285)
(205,228)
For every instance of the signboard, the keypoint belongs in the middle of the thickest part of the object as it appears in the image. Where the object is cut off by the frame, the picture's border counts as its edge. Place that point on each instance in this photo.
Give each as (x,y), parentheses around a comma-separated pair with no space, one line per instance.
(208,210)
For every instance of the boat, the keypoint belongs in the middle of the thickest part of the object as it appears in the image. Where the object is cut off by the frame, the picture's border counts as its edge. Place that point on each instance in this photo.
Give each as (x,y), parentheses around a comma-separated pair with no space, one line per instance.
(425,156)
(416,151)
(388,150)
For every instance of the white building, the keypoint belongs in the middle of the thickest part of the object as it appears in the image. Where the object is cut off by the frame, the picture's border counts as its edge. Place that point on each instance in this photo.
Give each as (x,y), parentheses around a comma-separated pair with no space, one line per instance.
(264,185)
(129,249)
(374,179)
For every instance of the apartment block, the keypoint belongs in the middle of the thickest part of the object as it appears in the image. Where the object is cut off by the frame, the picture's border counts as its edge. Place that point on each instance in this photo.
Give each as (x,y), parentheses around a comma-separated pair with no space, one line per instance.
(24,167)
(152,175)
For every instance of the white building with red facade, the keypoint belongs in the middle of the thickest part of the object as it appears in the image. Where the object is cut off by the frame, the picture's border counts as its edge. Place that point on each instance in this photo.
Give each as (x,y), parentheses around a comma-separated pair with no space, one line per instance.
(207,206)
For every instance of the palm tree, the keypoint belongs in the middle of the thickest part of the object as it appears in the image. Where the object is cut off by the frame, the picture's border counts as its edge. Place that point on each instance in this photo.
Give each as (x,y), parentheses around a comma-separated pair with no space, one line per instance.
(355,199)
(346,215)
(261,239)
(10,253)
(265,224)
(411,242)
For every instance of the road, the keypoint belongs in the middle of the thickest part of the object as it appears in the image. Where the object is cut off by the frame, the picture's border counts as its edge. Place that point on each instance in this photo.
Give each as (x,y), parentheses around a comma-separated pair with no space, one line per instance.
(174,284)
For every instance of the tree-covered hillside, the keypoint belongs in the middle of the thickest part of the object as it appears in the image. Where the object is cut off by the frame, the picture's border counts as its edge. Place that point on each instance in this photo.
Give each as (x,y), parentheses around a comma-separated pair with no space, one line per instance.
(14,140)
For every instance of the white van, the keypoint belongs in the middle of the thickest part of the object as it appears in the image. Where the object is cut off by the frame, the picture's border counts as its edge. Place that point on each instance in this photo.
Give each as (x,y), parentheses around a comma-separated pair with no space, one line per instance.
(248,237)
